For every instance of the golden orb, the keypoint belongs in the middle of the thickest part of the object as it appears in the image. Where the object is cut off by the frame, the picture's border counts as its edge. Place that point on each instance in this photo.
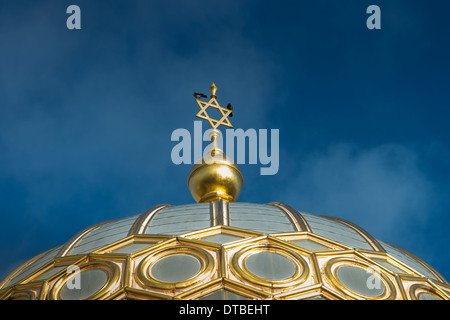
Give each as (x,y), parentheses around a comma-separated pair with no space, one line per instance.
(215,176)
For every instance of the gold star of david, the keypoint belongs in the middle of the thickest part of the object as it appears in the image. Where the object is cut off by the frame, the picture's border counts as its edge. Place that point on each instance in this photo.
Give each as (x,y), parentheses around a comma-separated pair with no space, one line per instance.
(213,104)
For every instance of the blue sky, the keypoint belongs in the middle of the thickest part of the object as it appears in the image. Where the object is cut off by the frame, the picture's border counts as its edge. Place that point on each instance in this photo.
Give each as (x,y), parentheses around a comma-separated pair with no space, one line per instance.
(86,115)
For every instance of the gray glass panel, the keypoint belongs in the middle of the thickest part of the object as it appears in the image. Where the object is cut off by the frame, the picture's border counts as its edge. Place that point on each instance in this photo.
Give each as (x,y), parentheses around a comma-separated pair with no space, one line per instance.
(428,296)
(35,265)
(388,265)
(104,235)
(270,266)
(221,238)
(133,247)
(180,219)
(406,259)
(91,281)
(316,298)
(50,273)
(335,231)
(259,217)
(223,295)
(310,245)
(175,268)
(360,281)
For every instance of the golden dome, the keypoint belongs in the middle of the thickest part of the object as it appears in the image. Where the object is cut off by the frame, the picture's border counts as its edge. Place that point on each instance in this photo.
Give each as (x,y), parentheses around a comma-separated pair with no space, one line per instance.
(220,250)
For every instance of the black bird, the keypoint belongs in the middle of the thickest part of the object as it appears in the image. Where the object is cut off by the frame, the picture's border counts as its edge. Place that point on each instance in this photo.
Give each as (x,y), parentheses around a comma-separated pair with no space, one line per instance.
(199,95)
(230,107)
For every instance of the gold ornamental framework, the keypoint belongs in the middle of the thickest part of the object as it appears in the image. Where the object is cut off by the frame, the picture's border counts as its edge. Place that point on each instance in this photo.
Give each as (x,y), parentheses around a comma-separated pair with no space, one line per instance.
(223,268)
(215,175)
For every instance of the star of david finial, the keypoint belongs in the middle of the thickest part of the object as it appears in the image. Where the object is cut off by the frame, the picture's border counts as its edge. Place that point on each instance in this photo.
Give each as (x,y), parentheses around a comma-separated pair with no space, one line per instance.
(212,103)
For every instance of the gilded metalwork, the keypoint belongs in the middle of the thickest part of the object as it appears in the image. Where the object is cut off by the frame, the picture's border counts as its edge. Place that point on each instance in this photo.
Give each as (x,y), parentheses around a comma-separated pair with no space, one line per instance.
(226,284)
(397,267)
(220,179)
(371,240)
(296,218)
(212,103)
(23,295)
(313,292)
(206,267)
(141,224)
(223,265)
(292,237)
(299,276)
(423,263)
(415,286)
(113,275)
(5,282)
(80,235)
(215,176)
(333,265)
(222,229)
(219,213)
(135,239)
(418,290)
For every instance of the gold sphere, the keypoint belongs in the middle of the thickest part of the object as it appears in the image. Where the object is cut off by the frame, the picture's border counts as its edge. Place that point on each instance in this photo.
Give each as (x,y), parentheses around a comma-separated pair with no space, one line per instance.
(215,176)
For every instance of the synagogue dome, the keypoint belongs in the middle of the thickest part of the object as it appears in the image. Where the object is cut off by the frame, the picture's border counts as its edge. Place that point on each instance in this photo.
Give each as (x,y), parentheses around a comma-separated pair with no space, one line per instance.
(219,248)
(225,250)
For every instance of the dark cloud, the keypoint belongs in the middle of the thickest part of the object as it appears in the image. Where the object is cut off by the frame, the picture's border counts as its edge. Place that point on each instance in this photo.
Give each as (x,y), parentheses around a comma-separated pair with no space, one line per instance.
(86,116)
(366,186)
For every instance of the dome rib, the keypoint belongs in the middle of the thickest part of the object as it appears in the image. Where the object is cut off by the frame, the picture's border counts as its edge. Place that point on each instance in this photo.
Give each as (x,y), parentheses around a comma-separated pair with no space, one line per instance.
(141,223)
(180,219)
(363,233)
(412,260)
(336,231)
(260,217)
(68,246)
(29,267)
(104,235)
(296,218)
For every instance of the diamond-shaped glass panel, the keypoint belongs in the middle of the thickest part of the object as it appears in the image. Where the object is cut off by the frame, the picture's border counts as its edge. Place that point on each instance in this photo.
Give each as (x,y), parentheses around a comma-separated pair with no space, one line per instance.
(133,247)
(316,298)
(310,245)
(223,294)
(388,265)
(49,273)
(221,238)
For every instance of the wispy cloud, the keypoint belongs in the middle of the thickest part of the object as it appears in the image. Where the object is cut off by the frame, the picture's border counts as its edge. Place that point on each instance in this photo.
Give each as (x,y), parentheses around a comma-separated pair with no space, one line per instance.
(381,189)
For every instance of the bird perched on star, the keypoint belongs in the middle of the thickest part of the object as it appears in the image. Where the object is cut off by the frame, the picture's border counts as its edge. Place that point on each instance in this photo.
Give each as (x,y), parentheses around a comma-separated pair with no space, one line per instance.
(212,103)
